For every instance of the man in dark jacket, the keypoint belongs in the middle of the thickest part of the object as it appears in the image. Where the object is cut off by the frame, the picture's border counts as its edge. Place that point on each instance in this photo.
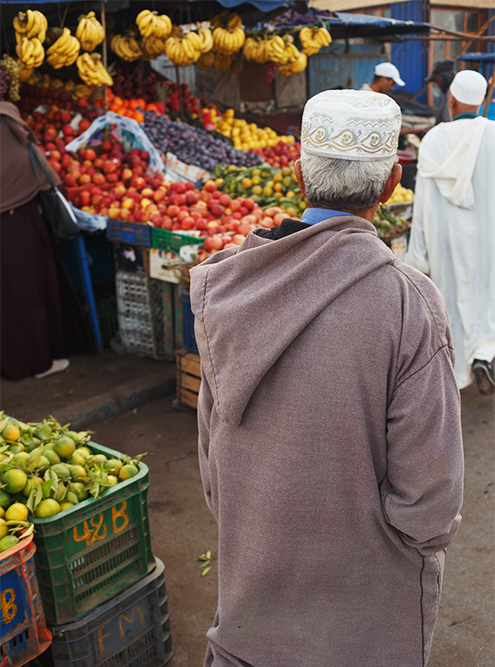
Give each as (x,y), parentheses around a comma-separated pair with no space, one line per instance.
(443,74)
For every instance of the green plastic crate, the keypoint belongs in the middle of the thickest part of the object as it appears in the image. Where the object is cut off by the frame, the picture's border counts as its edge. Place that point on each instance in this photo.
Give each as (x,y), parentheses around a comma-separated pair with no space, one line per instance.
(163,239)
(94,550)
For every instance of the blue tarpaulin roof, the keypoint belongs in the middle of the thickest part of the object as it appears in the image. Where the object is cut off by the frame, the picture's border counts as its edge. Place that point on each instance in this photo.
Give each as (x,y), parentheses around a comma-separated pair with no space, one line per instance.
(478,57)
(262,5)
(365,24)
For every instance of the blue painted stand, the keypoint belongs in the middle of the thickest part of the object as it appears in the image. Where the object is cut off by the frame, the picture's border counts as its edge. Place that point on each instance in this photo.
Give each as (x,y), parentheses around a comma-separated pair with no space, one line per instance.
(87,288)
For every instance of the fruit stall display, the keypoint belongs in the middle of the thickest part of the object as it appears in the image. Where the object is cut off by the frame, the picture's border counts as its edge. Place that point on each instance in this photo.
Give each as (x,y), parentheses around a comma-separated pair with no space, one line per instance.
(266,185)
(389,225)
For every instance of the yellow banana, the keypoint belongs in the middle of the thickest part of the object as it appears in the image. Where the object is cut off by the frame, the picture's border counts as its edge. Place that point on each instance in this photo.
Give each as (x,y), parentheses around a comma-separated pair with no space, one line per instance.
(194,39)
(30,18)
(61,43)
(325,35)
(206,39)
(234,21)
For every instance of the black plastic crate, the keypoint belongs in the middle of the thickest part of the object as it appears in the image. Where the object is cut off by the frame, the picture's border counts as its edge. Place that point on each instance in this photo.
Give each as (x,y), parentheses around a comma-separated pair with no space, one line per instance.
(130,630)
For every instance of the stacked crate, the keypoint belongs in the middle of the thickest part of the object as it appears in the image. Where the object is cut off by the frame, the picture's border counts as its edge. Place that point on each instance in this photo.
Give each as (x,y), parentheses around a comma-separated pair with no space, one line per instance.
(149,307)
(23,631)
(103,591)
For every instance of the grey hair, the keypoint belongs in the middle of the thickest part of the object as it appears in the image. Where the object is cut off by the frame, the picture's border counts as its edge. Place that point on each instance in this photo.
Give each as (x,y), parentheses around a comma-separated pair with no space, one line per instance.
(349,185)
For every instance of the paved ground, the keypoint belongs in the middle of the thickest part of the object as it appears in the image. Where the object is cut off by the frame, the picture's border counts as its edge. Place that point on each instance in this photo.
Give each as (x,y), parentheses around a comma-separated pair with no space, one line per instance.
(91,389)
(182,528)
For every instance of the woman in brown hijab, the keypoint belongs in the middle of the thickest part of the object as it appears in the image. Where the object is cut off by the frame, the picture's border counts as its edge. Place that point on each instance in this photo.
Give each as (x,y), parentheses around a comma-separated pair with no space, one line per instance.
(41,319)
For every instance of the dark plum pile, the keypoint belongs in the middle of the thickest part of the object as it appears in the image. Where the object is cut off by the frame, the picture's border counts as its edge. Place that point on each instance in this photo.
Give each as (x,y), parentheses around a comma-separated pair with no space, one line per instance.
(193,145)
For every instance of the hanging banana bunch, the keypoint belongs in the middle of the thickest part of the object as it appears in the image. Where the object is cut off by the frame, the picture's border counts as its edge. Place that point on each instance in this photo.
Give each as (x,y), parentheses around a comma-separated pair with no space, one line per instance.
(30,52)
(313,39)
(90,32)
(228,35)
(64,51)
(91,70)
(150,24)
(126,48)
(206,60)
(257,50)
(183,49)
(30,24)
(206,40)
(152,47)
(298,65)
(282,51)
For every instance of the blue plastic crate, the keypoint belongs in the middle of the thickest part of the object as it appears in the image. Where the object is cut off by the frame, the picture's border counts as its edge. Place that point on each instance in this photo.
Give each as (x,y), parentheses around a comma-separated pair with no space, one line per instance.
(129,232)
(23,632)
(189,335)
(130,630)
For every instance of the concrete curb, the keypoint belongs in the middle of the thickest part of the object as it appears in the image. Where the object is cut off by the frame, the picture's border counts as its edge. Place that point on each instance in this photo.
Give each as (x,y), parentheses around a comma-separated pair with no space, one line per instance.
(123,398)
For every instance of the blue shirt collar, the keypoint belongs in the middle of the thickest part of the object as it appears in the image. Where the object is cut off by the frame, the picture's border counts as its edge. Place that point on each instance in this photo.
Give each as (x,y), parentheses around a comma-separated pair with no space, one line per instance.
(311,216)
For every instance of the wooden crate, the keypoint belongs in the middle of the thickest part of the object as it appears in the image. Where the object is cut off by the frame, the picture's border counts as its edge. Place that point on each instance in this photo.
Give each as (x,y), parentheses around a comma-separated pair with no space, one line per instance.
(188,378)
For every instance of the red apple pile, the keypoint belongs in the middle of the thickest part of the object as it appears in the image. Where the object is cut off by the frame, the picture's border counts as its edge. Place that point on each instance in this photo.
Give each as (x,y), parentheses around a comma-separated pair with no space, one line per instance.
(55,124)
(33,96)
(270,217)
(97,180)
(209,211)
(279,156)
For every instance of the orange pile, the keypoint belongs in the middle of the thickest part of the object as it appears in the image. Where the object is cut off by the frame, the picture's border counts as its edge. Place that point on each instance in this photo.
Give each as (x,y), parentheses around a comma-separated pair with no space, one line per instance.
(128,108)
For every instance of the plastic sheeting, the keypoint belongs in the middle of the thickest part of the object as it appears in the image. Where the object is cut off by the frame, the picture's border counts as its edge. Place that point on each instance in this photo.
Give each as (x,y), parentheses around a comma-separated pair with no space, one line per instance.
(127,131)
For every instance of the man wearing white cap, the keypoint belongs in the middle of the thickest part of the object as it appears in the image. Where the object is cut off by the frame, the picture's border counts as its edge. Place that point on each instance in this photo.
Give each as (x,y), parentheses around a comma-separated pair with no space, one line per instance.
(453,230)
(386,77)
(329,420)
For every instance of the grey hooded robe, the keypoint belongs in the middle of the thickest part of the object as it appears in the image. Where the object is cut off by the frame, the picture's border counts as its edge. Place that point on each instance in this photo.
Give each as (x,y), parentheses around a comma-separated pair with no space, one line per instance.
(330,449)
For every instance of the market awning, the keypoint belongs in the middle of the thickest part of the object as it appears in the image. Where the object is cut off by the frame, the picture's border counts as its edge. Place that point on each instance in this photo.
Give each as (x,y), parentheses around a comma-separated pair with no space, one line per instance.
(342,24)
(262,5)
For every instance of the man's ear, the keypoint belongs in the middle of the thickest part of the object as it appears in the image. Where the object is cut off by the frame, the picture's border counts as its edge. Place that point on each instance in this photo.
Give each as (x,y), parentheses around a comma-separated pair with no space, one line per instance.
(298,171)
(451,103)
(391,183)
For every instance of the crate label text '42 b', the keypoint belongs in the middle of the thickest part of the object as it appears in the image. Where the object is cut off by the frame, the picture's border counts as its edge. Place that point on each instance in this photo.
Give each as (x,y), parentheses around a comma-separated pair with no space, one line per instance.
(97,528)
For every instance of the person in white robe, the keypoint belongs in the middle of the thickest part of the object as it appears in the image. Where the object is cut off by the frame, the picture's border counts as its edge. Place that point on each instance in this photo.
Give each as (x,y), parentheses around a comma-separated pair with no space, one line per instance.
(453,229)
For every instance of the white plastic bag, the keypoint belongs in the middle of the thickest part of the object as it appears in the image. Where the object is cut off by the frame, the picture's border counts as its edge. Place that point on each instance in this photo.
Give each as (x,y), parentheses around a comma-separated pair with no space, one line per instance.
(127,131)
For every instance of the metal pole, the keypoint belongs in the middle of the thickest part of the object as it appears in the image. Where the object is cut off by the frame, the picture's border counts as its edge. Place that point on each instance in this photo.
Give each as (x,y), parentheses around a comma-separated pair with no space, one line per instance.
(489,96)
(179,91)
(104,46)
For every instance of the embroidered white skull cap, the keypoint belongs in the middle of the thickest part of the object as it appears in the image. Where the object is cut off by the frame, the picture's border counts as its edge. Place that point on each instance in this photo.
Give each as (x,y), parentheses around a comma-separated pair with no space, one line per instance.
(469,87)
(351,125)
